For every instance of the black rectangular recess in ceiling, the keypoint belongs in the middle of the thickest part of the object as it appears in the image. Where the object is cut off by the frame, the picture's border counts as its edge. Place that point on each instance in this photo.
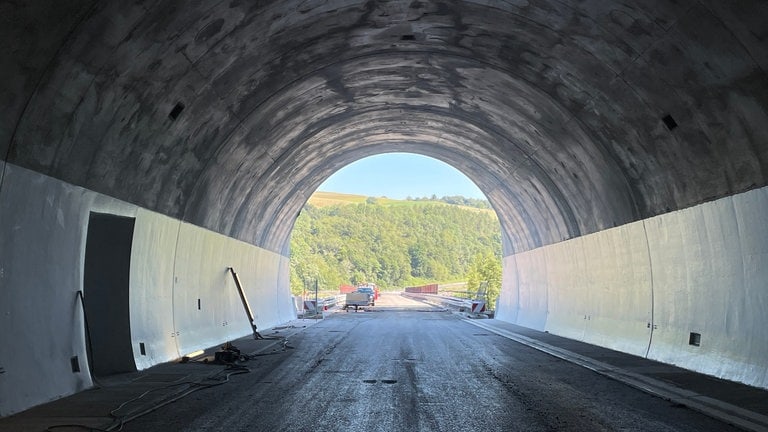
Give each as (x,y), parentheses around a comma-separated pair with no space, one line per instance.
(669,122)
(176,111)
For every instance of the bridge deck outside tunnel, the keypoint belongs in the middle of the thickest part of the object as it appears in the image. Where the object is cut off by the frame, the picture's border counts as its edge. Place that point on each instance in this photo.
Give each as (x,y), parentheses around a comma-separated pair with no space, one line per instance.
(623,146)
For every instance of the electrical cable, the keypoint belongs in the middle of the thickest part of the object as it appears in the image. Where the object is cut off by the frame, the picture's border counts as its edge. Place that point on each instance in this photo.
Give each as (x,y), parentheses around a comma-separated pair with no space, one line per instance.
(85,322)
(88,341)
(119,421)
(70,426)
(232,367)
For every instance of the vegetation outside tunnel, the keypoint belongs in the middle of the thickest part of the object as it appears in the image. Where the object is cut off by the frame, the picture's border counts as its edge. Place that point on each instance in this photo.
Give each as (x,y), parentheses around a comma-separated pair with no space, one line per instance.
(348,239)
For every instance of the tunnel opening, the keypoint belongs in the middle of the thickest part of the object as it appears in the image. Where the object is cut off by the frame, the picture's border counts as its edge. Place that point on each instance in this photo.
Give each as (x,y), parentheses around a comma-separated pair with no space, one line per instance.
(396,220)
(105,299)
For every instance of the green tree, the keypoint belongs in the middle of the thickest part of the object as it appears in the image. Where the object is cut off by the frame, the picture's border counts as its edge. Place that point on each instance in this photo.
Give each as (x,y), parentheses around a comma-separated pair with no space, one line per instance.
(391,243)
(485,268)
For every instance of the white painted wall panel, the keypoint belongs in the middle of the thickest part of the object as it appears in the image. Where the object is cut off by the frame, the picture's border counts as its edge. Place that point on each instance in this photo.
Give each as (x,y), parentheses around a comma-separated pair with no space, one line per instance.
(620,289)
(286,306)
(701,270)
(750,326)
(507,305)
(202,260)
(723,302)
(151,295)
(566,289)
(532,292)
(667,250)
(598,289)
(697,287)
(41,261)
(43,231)
(165,303)
(258,271)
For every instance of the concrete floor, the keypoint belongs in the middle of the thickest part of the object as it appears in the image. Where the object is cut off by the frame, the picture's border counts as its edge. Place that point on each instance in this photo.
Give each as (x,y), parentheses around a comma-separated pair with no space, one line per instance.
(401,366)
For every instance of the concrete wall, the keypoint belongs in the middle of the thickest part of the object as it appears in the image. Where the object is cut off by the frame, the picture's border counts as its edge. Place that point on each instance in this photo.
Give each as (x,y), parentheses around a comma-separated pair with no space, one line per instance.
(643,288)
(43,231)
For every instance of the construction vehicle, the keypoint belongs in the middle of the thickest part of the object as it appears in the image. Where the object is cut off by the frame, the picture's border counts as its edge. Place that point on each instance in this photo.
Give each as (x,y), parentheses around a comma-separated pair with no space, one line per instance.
(371,294)
(358,299)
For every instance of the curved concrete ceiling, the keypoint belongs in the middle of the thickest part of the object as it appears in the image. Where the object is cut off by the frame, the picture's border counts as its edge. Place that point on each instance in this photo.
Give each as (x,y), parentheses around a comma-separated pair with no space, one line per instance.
(228,114)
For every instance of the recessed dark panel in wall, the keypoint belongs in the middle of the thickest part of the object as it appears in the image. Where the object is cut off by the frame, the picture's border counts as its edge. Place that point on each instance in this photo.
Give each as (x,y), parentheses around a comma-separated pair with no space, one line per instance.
(694,339)
(106,277)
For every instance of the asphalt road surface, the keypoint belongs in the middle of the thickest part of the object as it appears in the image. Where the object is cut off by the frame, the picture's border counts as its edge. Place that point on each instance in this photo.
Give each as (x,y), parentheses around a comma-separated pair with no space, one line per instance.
(407,367)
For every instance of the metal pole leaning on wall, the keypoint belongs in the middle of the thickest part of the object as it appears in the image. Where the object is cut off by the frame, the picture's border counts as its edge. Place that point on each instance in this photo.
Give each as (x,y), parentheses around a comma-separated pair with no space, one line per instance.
(246,306)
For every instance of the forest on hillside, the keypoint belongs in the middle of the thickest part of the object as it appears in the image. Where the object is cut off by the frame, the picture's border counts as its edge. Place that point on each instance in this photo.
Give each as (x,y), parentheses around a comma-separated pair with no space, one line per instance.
(394,245)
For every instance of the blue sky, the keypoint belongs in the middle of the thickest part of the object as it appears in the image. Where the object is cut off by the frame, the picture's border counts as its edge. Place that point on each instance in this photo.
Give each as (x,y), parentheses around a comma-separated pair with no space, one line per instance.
(400,175)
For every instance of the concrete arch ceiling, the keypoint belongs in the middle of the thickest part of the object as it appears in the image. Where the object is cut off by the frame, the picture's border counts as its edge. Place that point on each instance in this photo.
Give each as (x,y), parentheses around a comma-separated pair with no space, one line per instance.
(554,108)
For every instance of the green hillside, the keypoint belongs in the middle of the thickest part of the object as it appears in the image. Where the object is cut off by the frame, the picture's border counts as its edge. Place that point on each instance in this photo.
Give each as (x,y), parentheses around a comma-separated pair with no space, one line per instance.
(348,239)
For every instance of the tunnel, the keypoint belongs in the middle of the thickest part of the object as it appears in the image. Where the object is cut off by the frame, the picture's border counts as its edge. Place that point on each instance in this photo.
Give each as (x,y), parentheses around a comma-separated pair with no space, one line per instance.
(622,144)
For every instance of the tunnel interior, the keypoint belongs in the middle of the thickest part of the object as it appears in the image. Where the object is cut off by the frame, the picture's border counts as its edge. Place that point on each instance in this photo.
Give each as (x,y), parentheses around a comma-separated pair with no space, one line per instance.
(600,131)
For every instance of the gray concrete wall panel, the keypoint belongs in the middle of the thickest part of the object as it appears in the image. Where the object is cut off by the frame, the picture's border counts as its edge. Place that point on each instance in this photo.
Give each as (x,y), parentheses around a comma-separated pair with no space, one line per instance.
(645,288)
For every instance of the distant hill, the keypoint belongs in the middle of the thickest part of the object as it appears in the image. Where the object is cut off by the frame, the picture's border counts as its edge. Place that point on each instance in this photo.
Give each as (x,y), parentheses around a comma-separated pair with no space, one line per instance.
(325,199)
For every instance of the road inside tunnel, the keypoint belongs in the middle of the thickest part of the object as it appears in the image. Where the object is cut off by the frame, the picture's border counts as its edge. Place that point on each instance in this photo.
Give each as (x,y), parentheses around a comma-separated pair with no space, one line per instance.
(407,366)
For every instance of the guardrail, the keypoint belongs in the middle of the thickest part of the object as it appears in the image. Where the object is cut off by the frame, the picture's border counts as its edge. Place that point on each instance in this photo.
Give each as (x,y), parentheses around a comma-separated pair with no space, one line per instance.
(332,301)
(459,304)
(323,304)
(437,299)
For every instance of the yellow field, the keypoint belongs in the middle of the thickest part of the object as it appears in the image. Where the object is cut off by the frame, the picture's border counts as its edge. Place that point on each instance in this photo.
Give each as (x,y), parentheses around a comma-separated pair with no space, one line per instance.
(325,199)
